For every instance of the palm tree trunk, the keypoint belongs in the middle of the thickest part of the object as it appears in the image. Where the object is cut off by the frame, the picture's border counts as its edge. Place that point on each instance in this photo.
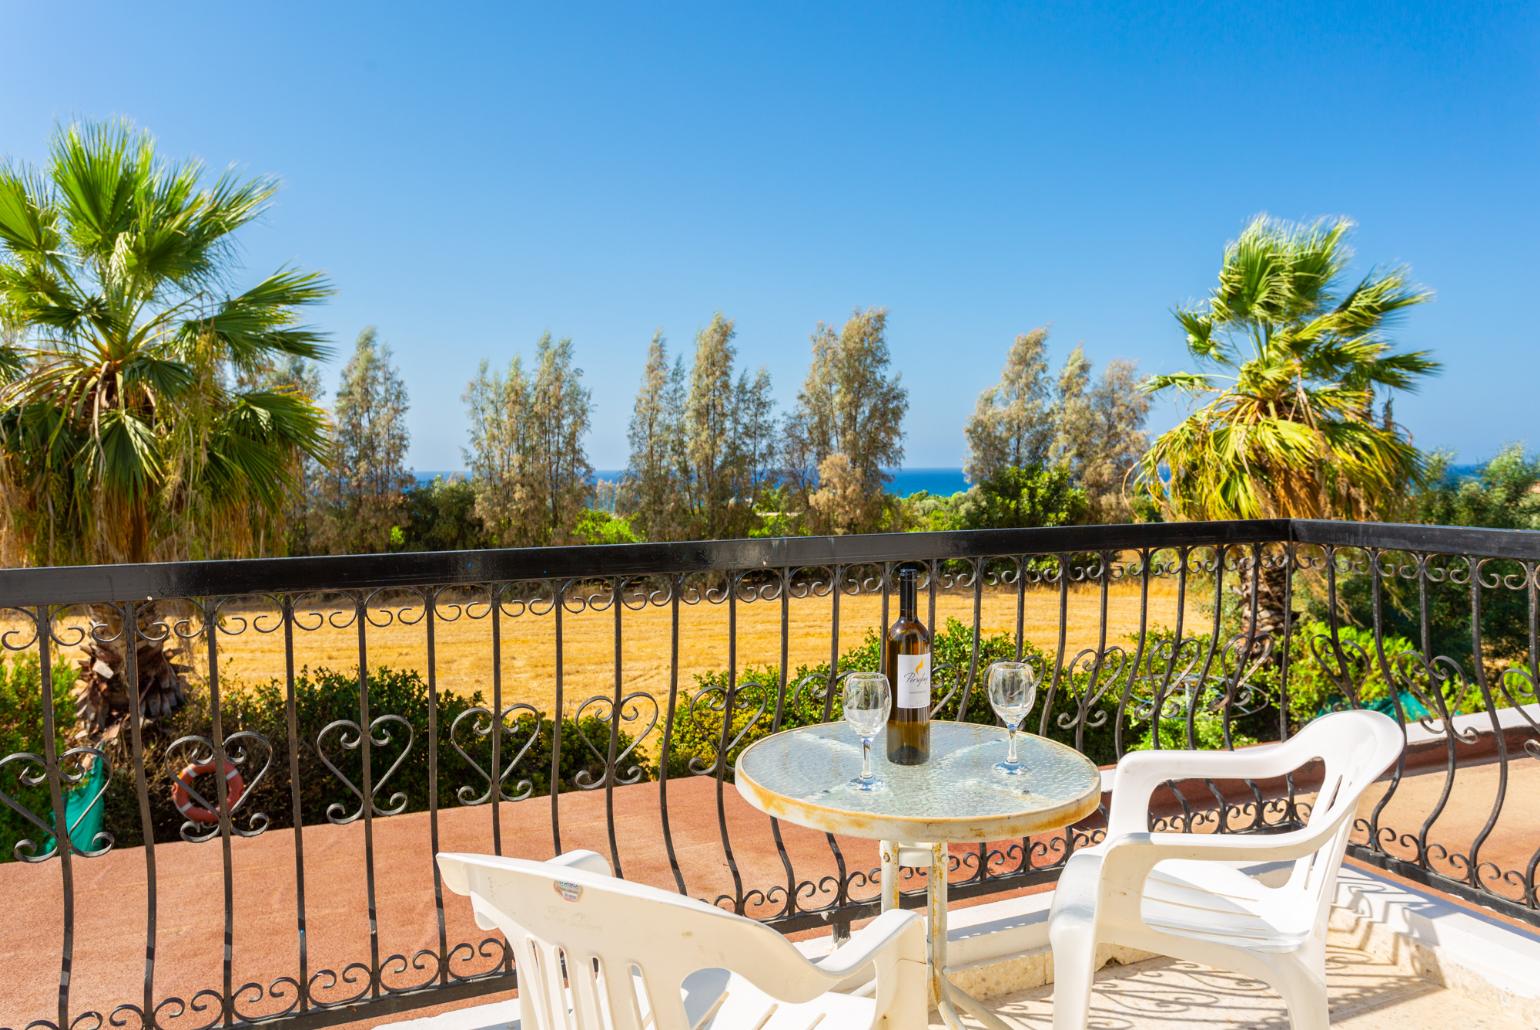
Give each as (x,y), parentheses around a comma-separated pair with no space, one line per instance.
(102,700)
(1268,591)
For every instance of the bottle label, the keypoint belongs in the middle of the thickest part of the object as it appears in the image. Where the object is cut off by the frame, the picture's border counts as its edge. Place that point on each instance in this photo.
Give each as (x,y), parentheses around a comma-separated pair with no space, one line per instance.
(914,680)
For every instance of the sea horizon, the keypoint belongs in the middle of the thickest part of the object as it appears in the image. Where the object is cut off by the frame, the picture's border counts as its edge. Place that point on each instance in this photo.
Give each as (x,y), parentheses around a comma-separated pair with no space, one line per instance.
(941,480)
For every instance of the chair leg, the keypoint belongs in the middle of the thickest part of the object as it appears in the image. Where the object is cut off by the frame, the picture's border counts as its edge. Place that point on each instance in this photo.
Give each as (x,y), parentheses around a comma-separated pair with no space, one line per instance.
(1074,970)
(1305,995)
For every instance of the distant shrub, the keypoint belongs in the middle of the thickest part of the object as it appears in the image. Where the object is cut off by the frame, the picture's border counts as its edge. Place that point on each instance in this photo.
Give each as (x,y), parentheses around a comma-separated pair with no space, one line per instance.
(696,739)
(21,730)
(329,698)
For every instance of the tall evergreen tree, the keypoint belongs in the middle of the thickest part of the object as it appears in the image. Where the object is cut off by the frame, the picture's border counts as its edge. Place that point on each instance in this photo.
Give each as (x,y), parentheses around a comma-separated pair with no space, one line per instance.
(363,492)
(1012,425)
(561,410)
(651,490)
(1099,432)
(708,424)
(755,432)
(526,455)
(499,457)
(848,425)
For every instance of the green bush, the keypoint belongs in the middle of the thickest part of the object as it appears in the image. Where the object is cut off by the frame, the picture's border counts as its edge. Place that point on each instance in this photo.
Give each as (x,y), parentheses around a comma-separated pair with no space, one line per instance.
(1317,673)
(595,526)
(324,697)
(696,738)
(440,516)
(21,731)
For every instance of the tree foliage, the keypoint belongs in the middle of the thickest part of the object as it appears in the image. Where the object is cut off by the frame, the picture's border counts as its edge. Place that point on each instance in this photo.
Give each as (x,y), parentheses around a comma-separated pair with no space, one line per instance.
(526,456)
(851,406)
(124,433)
(1098,432)
(1094,429)
(1293,360)
(651,490)
(1012,424)
(362,492)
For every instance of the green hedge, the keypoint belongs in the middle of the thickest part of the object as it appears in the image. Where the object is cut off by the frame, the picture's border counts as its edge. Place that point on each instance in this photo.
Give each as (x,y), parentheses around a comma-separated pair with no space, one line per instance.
(21,730)
(322,697)
(696,739)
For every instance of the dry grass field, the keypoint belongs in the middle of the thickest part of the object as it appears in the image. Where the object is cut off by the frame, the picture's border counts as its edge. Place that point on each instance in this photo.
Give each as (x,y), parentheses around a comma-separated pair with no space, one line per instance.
(463,647)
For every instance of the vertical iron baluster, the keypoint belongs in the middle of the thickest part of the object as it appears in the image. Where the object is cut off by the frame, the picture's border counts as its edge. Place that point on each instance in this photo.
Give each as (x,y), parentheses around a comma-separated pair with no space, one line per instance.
(1451,754)
(723,760)
(973,651)
(1134,667)
(1290,808)
(1061,642)
(62,843)
(366,777)
(1022,560)
(1216,631)
(1532,587)
(130,617)
(496,591)
(559,602)
(430,616)
(676,586)
(980,567)
(221,794)
(841,890)
(1498,738)
(291,718)
(1377,621)
(1021,604)
(780,714)
(1232,687)
(611,769)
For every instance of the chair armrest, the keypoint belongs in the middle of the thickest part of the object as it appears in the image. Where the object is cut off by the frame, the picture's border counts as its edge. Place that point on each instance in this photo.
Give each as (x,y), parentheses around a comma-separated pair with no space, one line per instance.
(901,933)
(1141,772)
(588,861)
(1130,856)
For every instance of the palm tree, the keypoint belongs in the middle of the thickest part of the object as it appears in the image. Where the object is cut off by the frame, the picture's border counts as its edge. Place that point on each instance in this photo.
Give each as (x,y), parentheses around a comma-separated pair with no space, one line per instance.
(1286,424)
(125,432)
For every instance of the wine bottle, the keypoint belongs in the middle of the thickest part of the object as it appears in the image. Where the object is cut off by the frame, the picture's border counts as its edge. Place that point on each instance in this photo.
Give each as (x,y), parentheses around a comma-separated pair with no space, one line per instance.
(908,669)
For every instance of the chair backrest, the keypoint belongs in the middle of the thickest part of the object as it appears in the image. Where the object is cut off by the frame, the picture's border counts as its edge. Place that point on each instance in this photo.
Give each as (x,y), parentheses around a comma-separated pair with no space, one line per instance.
(1356,747)
(623,949)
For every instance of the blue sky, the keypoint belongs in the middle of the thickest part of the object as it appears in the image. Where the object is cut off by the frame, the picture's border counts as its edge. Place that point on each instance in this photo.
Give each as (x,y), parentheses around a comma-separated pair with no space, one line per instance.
(473,176)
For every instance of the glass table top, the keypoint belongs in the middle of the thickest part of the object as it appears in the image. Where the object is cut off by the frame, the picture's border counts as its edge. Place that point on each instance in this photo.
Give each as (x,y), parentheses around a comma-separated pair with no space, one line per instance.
(804,776)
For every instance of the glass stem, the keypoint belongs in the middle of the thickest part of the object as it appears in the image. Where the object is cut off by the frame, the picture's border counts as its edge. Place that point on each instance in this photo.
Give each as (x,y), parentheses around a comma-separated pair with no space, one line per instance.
(1010,750)
(866,759)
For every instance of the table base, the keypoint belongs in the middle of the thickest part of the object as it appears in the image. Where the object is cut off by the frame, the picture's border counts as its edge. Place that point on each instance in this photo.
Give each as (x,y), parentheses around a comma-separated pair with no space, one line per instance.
(946,996)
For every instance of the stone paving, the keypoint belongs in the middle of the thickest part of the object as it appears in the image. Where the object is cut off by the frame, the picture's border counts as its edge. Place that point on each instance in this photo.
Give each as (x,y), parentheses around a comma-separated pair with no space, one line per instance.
(1161,994)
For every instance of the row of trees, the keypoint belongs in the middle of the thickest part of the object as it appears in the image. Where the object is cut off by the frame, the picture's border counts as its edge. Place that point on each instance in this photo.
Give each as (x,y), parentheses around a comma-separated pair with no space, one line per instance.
(710,455)
(154,408)
(711,458)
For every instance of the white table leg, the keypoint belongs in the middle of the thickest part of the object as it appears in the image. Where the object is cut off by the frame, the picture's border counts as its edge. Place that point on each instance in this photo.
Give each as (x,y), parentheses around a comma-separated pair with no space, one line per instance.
(890,874)
(946,996)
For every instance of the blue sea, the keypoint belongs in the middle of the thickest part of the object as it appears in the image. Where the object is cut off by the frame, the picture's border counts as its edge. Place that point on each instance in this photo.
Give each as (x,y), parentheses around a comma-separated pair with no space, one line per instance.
(905,481)
(942,481)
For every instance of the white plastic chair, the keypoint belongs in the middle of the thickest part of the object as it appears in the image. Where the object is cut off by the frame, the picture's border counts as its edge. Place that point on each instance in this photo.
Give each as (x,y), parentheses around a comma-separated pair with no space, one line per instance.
(637,957)
(1184,895)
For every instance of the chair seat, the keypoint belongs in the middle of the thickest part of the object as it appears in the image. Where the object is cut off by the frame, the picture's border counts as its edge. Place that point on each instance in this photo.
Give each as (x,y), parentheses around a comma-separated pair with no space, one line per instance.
(739,1004)
(1219,903)
(714,999)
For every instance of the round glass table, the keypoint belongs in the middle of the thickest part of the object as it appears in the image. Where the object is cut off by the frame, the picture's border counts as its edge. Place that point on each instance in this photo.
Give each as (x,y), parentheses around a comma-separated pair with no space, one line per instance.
(806,775)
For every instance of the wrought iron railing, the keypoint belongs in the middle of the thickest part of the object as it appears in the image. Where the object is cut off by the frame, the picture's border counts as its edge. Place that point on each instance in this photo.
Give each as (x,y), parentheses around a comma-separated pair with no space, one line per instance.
(466,711)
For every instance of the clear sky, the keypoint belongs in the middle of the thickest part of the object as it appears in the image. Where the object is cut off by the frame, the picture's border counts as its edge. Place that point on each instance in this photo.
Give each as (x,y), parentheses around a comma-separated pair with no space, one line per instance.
(472,176)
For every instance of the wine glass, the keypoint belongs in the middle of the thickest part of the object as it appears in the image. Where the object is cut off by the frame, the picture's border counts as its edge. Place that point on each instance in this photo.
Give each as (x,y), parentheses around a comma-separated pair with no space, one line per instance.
(1012,691)
(868,699)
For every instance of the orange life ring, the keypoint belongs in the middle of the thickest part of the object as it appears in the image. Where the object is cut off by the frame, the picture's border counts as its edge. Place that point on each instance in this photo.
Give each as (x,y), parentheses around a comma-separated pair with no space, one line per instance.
(181,791)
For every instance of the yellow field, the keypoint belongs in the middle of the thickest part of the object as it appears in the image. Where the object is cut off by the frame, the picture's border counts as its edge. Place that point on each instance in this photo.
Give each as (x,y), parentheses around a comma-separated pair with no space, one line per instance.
(464,647)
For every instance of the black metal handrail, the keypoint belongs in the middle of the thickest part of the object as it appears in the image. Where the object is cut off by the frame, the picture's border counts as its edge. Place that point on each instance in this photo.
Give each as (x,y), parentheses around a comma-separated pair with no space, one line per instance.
(1184,635)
